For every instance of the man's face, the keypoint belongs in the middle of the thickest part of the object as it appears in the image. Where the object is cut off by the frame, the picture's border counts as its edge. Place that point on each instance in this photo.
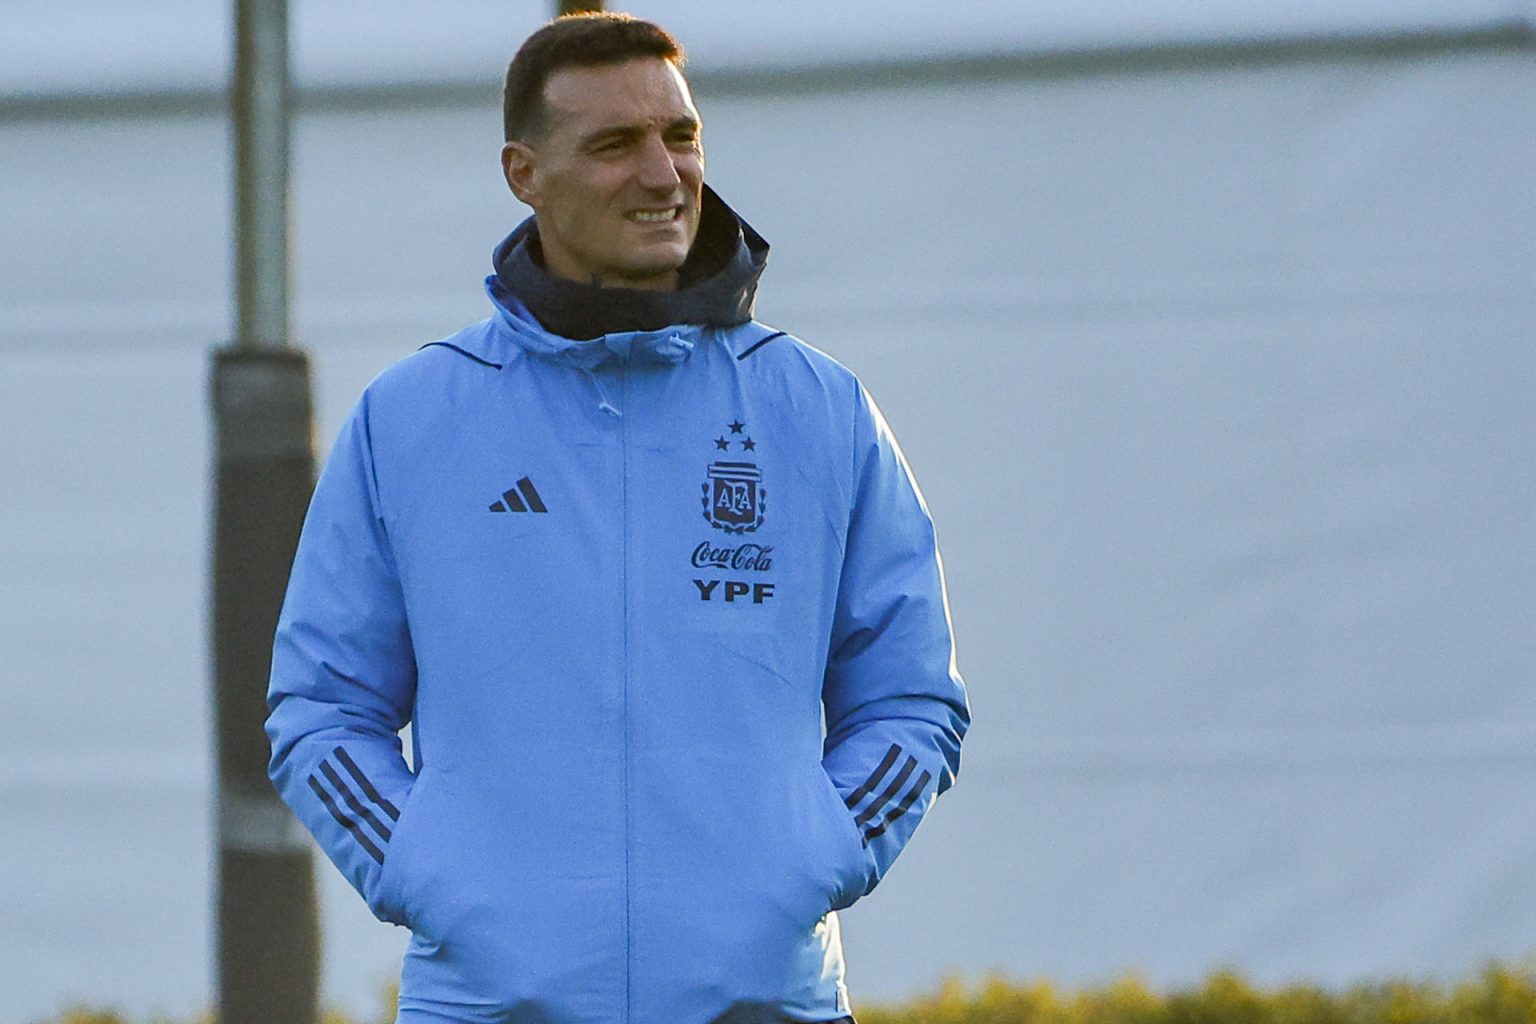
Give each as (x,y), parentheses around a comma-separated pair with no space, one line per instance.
(616,177)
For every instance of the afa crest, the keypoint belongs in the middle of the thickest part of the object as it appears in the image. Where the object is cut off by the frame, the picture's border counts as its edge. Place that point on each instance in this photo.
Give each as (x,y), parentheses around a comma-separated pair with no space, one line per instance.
(734,496)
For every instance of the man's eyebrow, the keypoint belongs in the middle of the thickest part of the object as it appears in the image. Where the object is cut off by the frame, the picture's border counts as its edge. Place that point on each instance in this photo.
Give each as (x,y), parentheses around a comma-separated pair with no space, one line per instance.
(631,131)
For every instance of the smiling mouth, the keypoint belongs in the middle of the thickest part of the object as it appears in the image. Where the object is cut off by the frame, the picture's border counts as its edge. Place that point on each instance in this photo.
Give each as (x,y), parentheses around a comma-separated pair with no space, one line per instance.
(666,216)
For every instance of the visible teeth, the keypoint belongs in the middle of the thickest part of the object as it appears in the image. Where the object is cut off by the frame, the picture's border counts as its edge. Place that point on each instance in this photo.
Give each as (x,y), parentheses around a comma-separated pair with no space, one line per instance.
(657,217)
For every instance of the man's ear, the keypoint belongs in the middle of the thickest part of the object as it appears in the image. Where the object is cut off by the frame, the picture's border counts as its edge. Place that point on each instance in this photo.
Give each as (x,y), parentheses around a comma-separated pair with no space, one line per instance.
(518,166)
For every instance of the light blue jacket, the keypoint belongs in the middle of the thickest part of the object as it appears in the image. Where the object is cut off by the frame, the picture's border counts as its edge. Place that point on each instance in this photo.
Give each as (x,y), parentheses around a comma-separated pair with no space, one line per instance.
(613,585)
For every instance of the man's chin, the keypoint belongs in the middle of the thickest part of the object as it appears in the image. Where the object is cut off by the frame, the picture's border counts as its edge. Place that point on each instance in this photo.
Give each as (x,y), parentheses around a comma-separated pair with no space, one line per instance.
(659,271)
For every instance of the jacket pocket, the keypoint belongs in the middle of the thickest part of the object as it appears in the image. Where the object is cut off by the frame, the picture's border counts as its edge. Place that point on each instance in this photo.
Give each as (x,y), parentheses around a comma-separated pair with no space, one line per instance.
(393,893)
(853,862)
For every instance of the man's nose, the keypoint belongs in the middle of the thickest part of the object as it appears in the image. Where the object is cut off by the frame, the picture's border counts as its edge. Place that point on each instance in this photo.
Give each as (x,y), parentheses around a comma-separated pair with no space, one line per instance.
(658,169)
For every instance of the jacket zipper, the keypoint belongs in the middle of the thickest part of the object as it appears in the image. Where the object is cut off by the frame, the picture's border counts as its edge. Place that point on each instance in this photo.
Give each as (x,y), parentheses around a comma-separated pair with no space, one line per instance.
(624,504)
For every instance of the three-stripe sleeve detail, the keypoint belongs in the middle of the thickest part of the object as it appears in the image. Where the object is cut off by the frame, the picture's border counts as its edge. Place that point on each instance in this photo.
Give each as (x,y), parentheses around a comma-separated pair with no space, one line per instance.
(876,777)
(885,795)
(901,808)
(346,822)
(353,802)
(362,780)
(360,811)
(867,787)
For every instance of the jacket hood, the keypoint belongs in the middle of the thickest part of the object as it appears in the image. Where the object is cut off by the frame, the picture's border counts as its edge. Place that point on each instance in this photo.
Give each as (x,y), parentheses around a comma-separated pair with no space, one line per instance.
(553,316)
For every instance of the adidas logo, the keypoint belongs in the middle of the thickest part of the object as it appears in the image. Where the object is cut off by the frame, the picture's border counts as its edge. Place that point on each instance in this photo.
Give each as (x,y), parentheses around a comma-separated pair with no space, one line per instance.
(522,498)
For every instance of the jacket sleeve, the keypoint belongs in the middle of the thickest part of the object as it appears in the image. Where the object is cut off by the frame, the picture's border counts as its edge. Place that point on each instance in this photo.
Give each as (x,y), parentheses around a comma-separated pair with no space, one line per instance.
(896,706)
(343,671)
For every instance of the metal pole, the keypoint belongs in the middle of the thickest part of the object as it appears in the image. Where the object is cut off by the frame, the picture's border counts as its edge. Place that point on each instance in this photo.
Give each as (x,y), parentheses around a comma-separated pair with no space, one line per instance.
(577,6)
(261,169)
(268,946)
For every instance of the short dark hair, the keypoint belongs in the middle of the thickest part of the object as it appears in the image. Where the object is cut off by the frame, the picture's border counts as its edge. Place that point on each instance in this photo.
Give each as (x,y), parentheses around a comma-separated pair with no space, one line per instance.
(575,40)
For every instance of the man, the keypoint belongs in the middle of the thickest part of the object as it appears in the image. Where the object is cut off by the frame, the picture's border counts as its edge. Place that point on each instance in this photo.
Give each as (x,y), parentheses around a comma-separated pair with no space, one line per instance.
(613,552)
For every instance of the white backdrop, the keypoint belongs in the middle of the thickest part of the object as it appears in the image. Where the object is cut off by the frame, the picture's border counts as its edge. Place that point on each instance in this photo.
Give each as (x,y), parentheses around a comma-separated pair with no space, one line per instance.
(1219,387)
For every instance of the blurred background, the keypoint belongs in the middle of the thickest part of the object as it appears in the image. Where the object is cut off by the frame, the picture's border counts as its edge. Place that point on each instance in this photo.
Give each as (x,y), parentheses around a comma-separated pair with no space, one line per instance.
(1207,327)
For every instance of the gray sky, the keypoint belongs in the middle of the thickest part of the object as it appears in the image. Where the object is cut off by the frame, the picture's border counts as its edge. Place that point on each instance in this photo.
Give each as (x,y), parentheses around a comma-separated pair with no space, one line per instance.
(87,45)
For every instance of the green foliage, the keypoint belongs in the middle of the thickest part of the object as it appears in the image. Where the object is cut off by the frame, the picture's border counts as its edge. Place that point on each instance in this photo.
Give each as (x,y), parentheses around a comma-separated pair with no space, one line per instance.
(1498,994)
(82,1016)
